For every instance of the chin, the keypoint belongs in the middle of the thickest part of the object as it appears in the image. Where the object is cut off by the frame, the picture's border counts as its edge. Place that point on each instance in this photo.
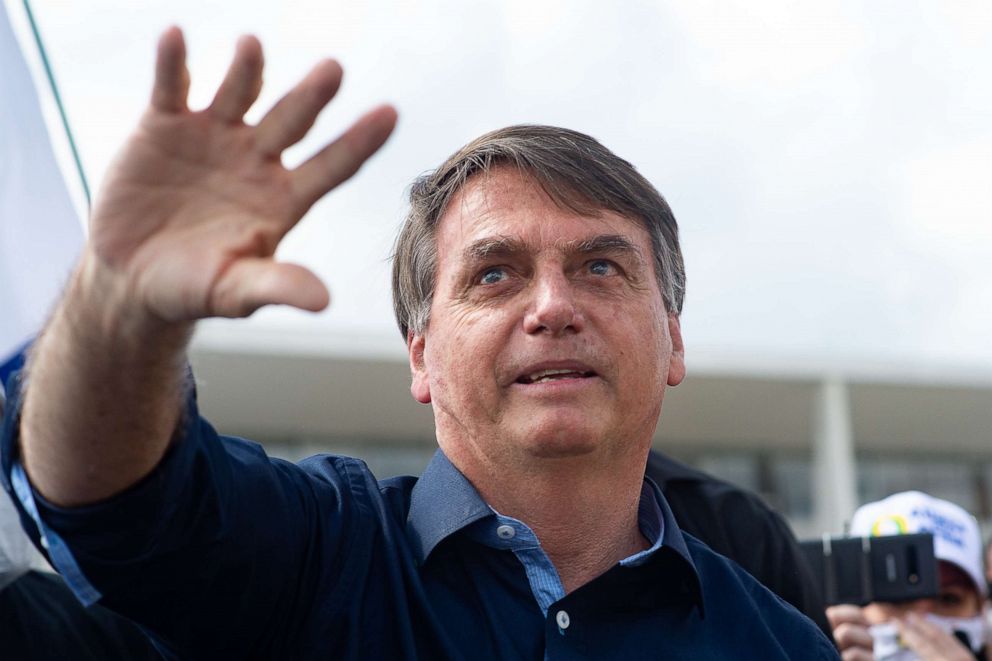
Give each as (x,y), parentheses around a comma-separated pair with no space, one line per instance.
(560,450)
(561,441)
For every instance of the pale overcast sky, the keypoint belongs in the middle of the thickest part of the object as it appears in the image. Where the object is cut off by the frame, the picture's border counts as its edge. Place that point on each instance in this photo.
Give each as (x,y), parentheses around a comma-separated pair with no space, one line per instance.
(829,162)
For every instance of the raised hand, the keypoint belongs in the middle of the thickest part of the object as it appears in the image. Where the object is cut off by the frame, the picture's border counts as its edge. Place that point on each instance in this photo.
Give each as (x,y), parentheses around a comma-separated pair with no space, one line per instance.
(185,227)
(193,209)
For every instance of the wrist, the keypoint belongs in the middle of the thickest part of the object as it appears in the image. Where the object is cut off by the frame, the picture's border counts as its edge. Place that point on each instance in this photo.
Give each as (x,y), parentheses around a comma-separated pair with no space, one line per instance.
(100,307)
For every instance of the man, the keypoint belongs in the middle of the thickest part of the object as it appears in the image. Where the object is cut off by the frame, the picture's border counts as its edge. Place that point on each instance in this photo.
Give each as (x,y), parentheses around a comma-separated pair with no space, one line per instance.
(950,626)
(541,317)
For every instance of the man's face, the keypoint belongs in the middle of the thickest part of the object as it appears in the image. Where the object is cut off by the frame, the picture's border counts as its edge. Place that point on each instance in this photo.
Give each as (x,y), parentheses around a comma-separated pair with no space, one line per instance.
(548,337)
(957,597)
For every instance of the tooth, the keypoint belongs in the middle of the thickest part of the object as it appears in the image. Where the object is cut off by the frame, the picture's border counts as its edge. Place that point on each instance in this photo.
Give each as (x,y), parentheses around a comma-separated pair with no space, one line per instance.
(549,375)
(545,373)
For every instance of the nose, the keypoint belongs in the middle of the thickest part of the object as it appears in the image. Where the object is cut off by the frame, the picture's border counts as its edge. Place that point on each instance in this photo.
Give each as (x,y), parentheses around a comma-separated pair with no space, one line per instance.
(552,308)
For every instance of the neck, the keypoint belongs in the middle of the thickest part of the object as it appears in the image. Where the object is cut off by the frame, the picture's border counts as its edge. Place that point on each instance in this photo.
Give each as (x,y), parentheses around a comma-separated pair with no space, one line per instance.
(584,514)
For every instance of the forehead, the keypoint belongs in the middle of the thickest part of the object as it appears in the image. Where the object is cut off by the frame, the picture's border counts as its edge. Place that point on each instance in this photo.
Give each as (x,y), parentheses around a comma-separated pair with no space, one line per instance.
(507,203)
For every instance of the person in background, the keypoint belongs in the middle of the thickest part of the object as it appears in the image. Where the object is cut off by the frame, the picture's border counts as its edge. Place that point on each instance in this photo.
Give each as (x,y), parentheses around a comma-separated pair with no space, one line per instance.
(40,618)
(988,585)
(738,524)
(950,627)
(988,562)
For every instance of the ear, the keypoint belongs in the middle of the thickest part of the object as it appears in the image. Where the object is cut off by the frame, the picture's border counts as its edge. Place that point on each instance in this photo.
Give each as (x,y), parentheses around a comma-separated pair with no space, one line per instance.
(420,386)
(676,362)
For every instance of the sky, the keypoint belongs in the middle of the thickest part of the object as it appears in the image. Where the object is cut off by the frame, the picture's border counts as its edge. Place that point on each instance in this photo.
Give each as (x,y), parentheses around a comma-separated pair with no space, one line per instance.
(828,162)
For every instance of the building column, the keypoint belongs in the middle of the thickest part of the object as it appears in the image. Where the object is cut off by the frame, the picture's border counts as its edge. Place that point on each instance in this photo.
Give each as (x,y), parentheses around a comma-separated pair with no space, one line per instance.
(835,494)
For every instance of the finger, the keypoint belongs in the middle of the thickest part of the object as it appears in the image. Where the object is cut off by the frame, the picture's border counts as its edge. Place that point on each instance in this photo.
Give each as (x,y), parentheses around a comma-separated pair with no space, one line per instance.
(251,283)
(846,613)
(930,641)
(242,83)
(857,654)
(171,85)
(912,628)
(851,636)
(294,114)
(341,159)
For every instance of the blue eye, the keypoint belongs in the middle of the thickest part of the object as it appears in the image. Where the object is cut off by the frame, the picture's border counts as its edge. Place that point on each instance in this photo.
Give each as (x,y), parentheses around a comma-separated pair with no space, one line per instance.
(492,276)
(600,267)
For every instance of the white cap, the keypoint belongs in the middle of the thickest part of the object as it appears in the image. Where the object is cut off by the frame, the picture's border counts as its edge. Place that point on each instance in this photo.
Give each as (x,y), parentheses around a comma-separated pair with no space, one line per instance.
(956,538)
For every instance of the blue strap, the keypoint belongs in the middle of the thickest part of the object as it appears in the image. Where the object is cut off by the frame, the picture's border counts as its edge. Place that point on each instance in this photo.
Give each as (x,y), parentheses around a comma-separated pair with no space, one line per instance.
(58,552)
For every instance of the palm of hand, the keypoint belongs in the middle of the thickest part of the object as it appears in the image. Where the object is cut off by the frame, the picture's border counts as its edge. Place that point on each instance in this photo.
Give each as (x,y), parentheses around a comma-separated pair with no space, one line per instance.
(197,202)
(186,201)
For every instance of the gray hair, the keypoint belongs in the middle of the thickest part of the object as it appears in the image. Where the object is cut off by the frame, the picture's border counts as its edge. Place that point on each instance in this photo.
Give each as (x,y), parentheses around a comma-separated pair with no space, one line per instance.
(577,173)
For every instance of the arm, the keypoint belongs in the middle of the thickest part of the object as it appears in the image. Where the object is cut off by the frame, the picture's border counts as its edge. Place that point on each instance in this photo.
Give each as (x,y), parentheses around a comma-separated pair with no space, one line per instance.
(184,228)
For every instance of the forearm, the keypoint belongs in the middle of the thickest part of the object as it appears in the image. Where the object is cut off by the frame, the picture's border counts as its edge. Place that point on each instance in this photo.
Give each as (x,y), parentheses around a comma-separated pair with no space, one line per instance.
(186,228)
(104,391)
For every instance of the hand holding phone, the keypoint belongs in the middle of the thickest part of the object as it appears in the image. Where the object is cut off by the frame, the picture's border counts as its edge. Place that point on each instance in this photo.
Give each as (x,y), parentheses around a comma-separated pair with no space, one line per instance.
(860,570)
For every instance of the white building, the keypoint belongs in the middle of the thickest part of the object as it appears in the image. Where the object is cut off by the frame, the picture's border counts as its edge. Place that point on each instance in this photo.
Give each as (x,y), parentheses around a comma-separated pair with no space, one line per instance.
(814,440)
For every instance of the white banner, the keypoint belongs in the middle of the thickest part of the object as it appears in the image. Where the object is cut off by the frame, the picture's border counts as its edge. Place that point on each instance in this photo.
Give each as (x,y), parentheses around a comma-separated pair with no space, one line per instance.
(40,231)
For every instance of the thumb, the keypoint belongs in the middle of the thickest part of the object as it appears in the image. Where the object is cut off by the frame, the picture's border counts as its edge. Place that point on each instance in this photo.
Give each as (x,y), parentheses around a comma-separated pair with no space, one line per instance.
(251,283)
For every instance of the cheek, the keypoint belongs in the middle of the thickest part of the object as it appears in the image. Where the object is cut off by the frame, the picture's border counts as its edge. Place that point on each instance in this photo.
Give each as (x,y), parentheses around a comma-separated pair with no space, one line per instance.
(970,606)
(463,351)
(646,350)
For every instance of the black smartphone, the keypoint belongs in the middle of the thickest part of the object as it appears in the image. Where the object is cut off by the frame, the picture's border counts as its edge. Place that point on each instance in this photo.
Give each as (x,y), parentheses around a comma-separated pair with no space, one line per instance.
(860,570)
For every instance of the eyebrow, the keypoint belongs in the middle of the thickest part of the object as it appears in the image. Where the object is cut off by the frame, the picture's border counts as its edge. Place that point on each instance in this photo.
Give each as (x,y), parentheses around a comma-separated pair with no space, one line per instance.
(493,245)
(605,243)
(504,245)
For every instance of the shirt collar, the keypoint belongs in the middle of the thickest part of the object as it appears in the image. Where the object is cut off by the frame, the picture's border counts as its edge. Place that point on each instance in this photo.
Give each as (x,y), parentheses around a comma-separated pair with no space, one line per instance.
(674,541)
(443,502)
(651,522)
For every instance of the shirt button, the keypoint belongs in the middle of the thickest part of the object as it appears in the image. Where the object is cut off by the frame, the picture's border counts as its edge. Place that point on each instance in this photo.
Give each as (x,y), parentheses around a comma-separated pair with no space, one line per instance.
(505,532)
(563,620)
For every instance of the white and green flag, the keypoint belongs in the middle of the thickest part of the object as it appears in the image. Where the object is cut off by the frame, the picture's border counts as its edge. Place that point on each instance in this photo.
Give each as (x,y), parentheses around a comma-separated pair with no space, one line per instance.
(40,228)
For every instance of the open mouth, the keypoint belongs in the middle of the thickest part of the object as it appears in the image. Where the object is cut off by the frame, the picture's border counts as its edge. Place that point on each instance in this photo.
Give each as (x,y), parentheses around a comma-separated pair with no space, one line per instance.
(544,376)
